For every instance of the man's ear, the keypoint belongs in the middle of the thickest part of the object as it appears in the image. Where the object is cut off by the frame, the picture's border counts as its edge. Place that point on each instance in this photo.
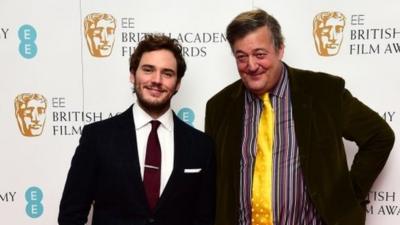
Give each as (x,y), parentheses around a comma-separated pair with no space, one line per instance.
(281,51)
(132,77)
(178,85)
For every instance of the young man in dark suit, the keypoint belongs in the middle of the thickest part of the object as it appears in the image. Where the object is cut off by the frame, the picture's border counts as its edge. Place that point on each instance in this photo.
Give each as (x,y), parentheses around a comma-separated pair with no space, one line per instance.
(302,153)
(144,166)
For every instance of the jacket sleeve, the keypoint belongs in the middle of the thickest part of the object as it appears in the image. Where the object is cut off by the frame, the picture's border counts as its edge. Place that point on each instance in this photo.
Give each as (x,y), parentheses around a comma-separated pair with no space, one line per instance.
(374,139)
(78,191)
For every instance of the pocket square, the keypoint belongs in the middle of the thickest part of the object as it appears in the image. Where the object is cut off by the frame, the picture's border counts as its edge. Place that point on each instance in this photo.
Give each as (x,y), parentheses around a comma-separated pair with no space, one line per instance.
(194,170)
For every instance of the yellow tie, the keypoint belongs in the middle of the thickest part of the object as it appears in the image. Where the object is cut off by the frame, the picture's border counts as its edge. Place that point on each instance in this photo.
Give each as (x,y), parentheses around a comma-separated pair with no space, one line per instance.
(261,212)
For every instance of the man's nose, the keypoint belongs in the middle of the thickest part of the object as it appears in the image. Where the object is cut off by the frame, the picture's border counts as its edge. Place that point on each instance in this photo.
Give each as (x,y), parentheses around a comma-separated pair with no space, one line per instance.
(156,78)
(252,64)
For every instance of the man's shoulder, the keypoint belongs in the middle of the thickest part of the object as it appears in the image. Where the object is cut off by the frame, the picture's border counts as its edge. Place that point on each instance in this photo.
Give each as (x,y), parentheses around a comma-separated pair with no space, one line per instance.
(307,76)
(231,91)
(111,122)
(314,81)
(188,129)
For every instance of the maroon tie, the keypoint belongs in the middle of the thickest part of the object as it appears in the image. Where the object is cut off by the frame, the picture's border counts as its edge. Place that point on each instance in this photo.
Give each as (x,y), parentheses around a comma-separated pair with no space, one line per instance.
(152,166)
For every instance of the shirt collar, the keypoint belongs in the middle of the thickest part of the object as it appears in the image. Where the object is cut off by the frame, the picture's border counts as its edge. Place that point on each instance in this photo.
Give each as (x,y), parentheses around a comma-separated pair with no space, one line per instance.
(283,84)
(141,118)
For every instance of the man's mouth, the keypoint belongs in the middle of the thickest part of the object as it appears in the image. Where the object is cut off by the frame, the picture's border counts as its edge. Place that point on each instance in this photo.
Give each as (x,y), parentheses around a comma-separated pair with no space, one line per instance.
(155,90)
(256,73)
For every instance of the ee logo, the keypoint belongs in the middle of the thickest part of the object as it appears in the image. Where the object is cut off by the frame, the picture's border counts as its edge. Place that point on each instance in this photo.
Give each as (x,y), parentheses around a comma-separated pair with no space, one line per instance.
(34,196)
(27,45)
(186,115)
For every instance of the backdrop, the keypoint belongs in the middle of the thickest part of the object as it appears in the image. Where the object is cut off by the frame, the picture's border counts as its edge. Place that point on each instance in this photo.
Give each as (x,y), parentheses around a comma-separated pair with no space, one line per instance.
(64,64)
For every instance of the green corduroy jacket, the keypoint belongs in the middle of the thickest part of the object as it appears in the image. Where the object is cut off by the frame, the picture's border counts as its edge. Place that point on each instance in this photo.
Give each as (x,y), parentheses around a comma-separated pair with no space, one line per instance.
(324,113)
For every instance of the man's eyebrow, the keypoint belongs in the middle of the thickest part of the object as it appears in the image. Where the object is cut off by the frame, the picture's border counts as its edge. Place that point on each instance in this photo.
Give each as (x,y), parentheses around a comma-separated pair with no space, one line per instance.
(163,69)
(260,49)
(254,50)
(148,65)
(239,52)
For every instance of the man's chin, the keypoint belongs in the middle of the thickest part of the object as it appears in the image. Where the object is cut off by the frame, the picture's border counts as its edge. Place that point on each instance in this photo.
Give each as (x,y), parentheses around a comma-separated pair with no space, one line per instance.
(154,105)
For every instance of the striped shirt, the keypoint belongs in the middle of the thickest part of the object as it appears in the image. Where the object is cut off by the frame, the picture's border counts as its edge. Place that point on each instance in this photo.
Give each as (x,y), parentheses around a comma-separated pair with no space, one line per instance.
(291,203)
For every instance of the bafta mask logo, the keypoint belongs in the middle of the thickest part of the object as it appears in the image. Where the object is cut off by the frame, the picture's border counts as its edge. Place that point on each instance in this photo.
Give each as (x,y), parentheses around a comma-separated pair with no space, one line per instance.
(328,32)
(100,33)
(30,111)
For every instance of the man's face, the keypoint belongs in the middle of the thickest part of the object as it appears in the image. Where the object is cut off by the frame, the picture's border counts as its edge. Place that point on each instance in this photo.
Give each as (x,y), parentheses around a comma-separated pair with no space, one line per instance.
(31,117)
(156,81)
(258,62)
(329,36)
(101,37)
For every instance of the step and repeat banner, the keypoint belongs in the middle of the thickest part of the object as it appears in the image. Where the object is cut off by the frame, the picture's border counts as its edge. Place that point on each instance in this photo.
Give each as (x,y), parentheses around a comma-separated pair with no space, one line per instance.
(65,64)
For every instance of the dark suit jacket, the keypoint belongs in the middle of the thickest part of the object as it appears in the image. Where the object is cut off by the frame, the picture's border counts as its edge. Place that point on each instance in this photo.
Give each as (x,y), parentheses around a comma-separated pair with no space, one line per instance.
(105,171)
(324,112)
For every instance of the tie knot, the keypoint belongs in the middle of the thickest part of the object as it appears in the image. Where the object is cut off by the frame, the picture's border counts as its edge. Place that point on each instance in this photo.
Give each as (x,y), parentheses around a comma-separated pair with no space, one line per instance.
(155,124)
(265,98)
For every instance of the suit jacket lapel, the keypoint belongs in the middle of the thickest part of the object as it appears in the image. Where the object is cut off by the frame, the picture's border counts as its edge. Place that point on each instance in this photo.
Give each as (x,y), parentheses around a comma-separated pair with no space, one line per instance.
(302,113)
(180,144)
(230,134)
(128,133)
(234,127)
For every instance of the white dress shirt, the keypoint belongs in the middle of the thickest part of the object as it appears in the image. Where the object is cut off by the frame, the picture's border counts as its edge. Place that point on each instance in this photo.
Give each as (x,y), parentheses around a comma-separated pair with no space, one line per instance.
(166,136)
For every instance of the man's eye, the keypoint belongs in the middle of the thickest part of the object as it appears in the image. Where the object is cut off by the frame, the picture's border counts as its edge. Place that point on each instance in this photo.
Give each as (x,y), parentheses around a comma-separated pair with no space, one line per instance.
(260,55)
(241,58)
(147,70)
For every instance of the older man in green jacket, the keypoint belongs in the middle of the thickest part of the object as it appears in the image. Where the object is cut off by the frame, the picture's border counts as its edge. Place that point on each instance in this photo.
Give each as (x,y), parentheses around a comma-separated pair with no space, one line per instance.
(313,112)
